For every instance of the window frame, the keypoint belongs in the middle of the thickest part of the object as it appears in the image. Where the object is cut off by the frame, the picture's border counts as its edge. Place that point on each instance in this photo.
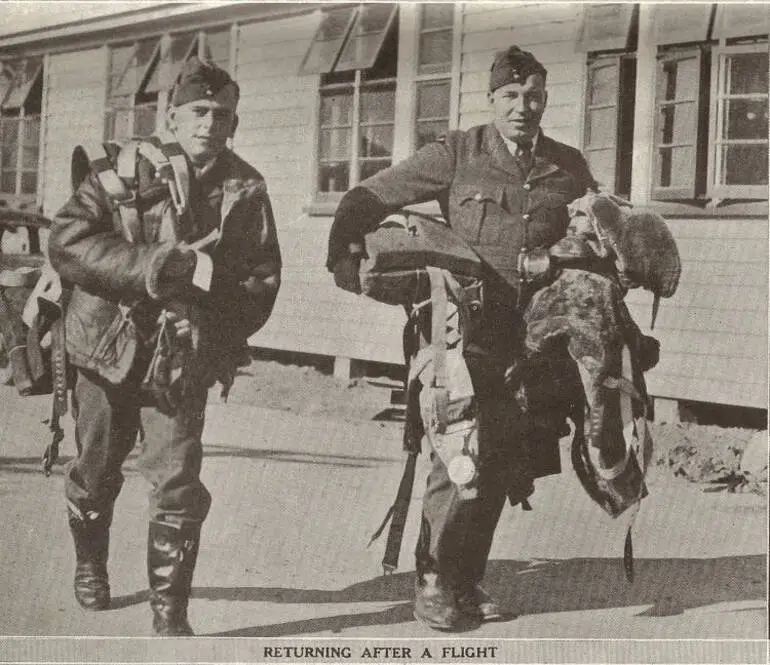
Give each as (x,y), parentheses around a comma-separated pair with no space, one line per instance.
(689,190)
(599,62)
(358,83)
(22,118)
(714,190)
(428,78)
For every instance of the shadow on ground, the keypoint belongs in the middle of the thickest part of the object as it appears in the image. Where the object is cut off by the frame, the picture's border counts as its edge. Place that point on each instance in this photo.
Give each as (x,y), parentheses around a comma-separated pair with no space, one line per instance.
(667,586)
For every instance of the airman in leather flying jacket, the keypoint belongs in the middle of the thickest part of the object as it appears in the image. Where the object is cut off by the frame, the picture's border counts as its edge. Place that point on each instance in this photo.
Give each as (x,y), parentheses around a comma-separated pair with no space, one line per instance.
(207,301)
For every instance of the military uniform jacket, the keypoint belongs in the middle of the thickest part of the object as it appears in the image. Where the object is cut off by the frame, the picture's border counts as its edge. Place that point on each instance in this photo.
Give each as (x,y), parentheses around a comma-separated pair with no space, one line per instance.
(498,205)
(88,249)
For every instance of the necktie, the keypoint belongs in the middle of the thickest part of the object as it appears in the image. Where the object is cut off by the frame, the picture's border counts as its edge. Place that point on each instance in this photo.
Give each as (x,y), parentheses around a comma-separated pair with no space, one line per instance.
(524,154)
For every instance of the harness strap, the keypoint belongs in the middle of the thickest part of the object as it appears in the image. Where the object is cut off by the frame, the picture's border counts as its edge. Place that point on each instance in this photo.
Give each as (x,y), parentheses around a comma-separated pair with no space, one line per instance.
(438,345)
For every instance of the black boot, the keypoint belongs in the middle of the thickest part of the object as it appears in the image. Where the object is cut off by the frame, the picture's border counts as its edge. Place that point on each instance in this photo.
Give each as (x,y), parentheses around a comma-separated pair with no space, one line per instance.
(91,533)
(171,557)
(434,604)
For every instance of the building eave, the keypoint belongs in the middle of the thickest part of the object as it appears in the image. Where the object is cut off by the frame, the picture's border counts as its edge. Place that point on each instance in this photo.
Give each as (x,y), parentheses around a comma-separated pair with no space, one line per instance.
(160,14)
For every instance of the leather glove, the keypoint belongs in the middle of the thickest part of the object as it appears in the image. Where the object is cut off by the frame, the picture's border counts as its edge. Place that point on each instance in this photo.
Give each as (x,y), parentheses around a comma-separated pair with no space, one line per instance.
(346,273)
(170,272)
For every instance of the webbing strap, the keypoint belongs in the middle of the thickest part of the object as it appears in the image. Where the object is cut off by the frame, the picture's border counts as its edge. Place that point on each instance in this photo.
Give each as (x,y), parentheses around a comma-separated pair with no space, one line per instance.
(171,167)
(439,304)
(120,180)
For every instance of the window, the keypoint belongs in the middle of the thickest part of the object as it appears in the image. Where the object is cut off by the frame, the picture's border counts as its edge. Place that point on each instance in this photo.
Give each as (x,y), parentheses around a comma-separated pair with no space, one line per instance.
(355,50)
(434,66)
(609,34)
(609,121)
(21,91)
(677,137)
(711,108)
(740,112)
(141,73)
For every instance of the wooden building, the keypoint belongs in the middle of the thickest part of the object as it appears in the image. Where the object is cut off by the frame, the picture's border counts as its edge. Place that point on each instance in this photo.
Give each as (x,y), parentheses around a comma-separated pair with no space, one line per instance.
(668,102)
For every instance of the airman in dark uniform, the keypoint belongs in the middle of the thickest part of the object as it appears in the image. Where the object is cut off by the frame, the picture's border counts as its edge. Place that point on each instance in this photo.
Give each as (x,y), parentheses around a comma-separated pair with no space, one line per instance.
(504,187)
(210,302)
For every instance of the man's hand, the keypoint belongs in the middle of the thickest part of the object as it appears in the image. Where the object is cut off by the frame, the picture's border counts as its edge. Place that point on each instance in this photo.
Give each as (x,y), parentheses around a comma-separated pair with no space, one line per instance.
(346,273)
(182,328)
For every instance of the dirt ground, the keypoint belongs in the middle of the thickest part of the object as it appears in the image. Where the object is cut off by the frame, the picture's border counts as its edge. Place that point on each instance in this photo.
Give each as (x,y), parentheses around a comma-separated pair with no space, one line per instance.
(305,386)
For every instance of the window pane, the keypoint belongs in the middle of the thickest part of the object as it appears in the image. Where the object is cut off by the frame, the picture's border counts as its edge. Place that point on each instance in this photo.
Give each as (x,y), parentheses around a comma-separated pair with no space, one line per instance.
(600,128)
(10,132)
(8,182)
(745,119)
(118,124)
(602,165)
(122,76)
(32,131)
(676,165)
(337,108)
(744,165)
(144,120)
(180,46)
(433,99)
(677,123)
(603,85)
(369,168)
(367,36)
(29,157)
(435,54)
(376,141)
(8,156)
(217,47)
(335,144)
(7,73)
(680,79)
(144,51)
(29,182)
(334,177)
(748,73)
(378,105)
(430,131)
(437,15)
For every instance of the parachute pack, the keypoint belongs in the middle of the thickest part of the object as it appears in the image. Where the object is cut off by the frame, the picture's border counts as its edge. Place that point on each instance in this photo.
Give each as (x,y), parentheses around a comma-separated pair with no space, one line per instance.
(38,352)
(584,359)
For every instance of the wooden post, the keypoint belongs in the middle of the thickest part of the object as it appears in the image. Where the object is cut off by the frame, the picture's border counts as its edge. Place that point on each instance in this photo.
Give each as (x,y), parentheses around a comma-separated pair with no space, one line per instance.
(342,367)
(666,410)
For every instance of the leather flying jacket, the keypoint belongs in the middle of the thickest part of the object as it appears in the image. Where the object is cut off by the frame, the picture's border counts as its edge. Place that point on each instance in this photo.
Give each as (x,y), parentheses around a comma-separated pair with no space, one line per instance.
(89,251)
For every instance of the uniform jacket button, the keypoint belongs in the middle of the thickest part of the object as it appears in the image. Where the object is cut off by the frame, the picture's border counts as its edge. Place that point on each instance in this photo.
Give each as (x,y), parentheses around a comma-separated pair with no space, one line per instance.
(477,196)
(527,186)
(526,216)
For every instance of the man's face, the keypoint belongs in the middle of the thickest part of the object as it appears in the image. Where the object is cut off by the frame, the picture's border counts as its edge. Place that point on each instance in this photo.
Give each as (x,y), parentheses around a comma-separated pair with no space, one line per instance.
(518,108)
(202,127)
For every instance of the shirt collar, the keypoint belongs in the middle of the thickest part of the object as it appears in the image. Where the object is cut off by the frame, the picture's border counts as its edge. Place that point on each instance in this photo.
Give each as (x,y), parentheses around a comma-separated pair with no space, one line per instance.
(513,147)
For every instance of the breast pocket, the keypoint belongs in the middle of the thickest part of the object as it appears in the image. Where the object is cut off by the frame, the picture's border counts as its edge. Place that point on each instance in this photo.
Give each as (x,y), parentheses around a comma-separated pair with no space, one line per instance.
(550,218)
(478,212)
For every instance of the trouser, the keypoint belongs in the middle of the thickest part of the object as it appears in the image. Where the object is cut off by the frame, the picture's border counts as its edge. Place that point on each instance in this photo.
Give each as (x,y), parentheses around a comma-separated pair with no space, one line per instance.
(456,534)
(107,421)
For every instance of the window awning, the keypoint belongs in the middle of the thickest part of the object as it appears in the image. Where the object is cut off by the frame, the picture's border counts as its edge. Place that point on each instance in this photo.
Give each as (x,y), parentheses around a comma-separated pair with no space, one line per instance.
(328,40)
(366,38)
(349,38)
(167,67)
(682,22)
(605,27)
(741,20)
(23,82)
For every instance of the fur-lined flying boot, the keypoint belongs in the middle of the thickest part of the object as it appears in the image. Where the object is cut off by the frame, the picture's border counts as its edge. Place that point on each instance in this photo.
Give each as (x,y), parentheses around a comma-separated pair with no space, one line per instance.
(91,533)
(171,556)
